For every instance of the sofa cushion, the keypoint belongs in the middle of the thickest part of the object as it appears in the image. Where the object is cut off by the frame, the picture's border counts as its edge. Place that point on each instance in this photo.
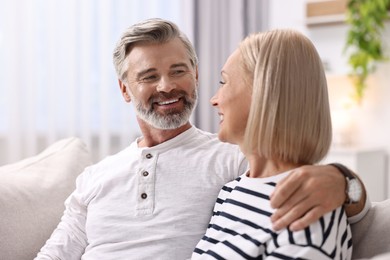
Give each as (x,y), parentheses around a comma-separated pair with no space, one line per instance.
(32,195)
(371,235)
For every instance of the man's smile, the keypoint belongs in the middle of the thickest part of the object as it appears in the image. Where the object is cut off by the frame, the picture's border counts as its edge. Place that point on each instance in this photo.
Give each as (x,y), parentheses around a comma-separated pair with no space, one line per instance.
(162,103)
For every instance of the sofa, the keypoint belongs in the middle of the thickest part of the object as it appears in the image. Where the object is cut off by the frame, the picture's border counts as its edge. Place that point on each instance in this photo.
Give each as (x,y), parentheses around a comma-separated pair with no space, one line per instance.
(33,191)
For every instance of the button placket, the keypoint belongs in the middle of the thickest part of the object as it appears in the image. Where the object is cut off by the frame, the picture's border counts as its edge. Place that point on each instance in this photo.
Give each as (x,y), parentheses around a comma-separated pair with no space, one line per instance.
(145,203)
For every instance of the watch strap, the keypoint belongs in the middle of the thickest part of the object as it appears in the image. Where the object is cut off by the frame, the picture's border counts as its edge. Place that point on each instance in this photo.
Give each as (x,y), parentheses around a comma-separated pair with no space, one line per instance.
(348,176)
(344,170)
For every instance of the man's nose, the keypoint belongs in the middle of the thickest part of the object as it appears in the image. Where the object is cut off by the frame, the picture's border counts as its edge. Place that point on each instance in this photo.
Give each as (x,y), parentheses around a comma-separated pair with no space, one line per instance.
(166,84)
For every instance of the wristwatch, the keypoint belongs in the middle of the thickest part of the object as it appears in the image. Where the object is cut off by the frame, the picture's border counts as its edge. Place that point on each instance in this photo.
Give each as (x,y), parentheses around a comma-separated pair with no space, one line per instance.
(354,189)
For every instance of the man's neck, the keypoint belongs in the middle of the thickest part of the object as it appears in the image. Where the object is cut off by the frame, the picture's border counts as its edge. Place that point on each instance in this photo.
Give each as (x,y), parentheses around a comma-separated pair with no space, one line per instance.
(153,136)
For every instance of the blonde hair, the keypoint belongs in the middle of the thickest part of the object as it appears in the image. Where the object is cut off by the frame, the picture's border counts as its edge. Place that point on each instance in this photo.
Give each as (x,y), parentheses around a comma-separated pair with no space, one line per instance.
(289,117)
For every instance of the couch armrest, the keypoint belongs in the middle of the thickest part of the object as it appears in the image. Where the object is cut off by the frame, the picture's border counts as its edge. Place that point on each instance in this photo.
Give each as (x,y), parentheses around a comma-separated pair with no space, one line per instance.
(371,235)
(32,195)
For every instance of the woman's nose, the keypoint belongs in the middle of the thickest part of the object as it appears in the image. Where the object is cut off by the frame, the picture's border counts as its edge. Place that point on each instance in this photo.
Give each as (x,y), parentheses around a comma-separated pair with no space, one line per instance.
(214,100)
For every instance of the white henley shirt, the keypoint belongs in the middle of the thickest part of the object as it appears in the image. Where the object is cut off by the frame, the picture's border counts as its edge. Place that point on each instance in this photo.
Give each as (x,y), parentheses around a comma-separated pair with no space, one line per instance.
(146,203)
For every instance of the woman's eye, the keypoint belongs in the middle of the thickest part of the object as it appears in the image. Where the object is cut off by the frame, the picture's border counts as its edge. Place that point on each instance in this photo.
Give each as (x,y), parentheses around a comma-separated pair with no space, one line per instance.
(221,82)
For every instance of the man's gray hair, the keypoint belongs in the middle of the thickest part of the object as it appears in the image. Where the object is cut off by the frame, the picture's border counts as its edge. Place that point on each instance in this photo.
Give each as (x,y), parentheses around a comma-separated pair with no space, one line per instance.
(154,30)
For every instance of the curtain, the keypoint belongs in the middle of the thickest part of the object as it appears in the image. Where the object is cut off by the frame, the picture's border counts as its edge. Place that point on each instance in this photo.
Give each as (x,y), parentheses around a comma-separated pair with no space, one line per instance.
(56,73)
(219,26)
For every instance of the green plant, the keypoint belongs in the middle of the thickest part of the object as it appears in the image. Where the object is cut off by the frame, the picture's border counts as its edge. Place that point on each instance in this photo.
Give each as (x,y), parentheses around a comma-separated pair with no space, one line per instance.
(364,39)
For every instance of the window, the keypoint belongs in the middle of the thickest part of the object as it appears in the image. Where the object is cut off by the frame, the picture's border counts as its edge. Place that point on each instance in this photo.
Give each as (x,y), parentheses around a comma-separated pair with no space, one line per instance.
(56,73)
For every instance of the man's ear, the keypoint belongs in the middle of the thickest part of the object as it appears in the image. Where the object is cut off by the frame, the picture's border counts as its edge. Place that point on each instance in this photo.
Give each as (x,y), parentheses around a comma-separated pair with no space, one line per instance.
(123,89)
(196,75)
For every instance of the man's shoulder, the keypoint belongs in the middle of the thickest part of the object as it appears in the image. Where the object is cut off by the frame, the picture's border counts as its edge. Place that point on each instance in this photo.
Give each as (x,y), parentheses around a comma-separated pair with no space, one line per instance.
(211,138)
(115,161)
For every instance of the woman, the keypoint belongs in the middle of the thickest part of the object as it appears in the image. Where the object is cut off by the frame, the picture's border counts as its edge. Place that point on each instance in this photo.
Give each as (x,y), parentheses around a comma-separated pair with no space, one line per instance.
(273,103)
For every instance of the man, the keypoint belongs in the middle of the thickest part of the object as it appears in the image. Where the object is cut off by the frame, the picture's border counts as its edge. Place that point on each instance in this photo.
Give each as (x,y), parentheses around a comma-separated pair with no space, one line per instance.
(153,200)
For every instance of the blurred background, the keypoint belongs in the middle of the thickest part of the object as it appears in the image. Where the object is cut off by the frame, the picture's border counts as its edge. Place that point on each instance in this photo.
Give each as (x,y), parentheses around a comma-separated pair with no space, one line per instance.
(57,79)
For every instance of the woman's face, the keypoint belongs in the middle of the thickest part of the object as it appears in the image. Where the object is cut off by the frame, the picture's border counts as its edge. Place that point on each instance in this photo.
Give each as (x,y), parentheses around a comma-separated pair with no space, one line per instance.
(232,100)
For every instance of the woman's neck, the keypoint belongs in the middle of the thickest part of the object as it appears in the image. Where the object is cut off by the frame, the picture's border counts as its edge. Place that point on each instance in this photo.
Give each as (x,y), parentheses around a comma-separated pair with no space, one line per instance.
(261,167)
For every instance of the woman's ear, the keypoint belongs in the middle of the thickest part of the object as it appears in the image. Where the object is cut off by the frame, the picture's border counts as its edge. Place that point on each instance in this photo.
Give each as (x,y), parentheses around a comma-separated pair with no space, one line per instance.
(123,89)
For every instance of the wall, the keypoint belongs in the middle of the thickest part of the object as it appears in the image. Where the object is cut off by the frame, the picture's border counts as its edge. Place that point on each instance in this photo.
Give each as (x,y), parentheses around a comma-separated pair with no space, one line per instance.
(372,117)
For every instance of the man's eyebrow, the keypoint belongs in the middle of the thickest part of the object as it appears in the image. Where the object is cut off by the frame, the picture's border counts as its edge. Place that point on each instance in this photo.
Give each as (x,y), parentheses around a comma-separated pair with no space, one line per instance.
(143,72)
(182,64)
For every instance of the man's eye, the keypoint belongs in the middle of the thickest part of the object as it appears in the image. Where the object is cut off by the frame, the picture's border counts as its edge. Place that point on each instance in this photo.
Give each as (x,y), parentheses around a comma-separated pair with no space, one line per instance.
(178,72)
(221,82)
(150,78)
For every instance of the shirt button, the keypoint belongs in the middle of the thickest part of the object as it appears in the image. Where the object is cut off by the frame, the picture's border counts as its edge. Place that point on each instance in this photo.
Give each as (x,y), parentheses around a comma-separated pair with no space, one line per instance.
(144,195)
(148,156)
(145,173)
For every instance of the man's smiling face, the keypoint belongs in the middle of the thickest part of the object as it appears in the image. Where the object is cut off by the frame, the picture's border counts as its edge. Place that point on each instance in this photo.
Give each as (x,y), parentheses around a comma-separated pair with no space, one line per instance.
(162,83)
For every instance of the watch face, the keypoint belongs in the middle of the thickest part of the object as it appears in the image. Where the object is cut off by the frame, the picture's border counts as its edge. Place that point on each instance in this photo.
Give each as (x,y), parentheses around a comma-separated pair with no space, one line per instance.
(354,190)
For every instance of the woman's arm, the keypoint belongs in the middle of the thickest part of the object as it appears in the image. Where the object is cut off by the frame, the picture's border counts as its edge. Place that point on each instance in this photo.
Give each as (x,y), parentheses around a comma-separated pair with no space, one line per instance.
(328,238)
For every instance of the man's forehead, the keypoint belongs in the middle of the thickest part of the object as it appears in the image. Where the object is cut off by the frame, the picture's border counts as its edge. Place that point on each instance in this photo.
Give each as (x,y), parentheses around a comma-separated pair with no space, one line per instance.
(157,57)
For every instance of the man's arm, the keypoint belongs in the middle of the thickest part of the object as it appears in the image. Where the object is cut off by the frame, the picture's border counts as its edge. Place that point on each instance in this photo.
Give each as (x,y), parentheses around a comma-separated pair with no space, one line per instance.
(308,193)
(68,241)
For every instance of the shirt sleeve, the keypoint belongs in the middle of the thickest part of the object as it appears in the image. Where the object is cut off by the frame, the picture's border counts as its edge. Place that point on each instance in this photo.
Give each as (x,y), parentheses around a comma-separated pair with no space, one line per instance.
(328,238)
(242,164)
(68,241)
(367,206)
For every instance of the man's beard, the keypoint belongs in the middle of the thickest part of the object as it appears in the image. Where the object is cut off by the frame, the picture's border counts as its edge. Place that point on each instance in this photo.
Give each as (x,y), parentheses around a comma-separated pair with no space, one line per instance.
(172,119)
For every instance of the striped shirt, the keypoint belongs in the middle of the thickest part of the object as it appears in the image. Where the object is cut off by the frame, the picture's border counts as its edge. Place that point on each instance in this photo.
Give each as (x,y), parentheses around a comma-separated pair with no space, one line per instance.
(241,228)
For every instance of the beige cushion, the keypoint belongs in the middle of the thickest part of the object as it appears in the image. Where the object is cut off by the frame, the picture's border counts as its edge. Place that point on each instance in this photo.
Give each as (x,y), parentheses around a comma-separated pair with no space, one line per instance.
(371,235)
(32,195)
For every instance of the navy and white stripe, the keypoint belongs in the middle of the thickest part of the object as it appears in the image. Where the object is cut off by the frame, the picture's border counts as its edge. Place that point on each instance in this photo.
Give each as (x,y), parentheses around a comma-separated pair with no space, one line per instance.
(240,228)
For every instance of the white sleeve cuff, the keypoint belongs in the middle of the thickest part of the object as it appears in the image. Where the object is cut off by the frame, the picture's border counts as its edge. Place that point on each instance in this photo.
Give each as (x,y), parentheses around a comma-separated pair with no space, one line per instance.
(360,215)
